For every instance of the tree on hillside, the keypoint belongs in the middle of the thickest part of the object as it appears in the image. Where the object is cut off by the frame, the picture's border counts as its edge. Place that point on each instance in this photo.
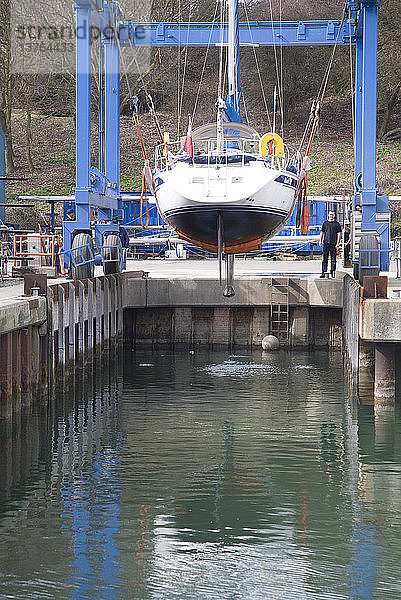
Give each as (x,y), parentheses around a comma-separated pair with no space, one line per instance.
(5,82)
(389,69)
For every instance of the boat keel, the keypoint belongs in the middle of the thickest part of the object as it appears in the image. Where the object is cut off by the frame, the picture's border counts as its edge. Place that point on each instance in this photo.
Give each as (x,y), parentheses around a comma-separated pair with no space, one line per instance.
(229,290)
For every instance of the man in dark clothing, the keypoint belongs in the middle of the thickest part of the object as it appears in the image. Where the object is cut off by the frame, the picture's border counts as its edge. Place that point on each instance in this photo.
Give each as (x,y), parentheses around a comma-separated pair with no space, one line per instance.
(124,237)
(330,237)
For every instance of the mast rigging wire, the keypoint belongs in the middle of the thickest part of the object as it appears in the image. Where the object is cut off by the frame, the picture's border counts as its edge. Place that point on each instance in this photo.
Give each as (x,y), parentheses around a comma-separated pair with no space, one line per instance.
(220,91)
(225,65)
(146,169)
(185,67)
(281,71)
(204,64)
(179,70)
(351,77)
(314,115)
(278,76)
(257,68)
(245,109)
(323,87)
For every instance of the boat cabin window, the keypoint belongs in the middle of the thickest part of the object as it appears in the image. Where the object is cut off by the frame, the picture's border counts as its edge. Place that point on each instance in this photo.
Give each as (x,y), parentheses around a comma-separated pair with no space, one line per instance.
(238,131)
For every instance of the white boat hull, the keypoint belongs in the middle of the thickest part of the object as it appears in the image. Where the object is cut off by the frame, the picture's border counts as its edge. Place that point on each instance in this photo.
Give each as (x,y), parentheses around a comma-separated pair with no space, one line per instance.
(252,200)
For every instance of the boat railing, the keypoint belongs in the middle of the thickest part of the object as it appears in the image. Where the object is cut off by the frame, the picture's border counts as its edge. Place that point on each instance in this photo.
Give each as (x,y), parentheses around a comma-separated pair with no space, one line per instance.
(226,152)
(166,154)
(207,152)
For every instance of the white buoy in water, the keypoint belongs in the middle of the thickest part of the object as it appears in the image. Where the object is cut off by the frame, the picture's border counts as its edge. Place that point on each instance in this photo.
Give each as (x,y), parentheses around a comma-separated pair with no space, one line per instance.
(270,342)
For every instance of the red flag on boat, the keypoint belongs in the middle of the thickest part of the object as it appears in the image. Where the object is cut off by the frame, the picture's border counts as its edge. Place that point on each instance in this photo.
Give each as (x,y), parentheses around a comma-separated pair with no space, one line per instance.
(189,144)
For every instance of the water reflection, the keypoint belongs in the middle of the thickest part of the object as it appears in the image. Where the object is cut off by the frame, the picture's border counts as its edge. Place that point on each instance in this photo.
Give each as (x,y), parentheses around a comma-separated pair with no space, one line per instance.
(60,491)
(199,476)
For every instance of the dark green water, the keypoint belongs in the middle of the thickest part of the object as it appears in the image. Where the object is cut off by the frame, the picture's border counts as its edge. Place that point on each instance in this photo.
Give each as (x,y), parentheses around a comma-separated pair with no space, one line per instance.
(202,476)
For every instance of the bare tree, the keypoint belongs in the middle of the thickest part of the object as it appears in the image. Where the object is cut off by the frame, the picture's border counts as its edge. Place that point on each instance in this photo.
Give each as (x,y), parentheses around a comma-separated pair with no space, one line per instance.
(5,82)
(389,70)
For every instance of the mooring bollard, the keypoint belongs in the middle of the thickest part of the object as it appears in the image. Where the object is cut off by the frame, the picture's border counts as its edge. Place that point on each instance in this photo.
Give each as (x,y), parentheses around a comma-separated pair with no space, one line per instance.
(270,342)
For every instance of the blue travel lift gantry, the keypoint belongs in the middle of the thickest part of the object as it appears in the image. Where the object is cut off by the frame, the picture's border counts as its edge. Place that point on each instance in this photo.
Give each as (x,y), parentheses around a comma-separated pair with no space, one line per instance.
(99,188)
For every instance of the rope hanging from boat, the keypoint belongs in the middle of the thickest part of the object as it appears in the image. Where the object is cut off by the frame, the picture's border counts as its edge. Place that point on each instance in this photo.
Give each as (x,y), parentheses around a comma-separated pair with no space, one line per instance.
(151,106)
(257,68)
(147,178)
(144,200)
(184,72)
(279,72)
(311,128)
(146,168)
(301,194)
(351,71)
(302,219)
(204,63)
(221,53)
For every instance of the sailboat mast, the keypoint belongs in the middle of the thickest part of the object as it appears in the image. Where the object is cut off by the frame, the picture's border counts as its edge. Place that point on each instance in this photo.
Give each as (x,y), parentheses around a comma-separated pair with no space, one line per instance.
(234,89)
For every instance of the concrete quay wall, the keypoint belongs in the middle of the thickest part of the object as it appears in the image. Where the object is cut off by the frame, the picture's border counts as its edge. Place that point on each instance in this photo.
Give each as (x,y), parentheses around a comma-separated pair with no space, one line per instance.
(351,342)
(195,312)
(229,326)
(43,335)
(23,350)
(83,317)
(255,292)
(372,342)
(381,320)
(87,315)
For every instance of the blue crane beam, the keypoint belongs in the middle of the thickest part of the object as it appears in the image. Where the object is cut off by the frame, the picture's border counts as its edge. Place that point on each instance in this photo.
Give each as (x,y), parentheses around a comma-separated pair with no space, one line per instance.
(256,33)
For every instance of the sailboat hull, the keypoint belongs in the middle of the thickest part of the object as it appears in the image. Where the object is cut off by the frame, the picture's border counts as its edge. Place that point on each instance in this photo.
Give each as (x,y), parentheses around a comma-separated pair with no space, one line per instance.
(240,225)
(251,203)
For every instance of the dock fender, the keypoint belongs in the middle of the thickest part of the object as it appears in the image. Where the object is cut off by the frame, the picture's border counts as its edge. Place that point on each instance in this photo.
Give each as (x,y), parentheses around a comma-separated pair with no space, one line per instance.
(277,141)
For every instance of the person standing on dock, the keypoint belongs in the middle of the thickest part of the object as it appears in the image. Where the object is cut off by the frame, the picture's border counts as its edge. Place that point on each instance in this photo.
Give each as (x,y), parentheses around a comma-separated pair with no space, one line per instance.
(330,237)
